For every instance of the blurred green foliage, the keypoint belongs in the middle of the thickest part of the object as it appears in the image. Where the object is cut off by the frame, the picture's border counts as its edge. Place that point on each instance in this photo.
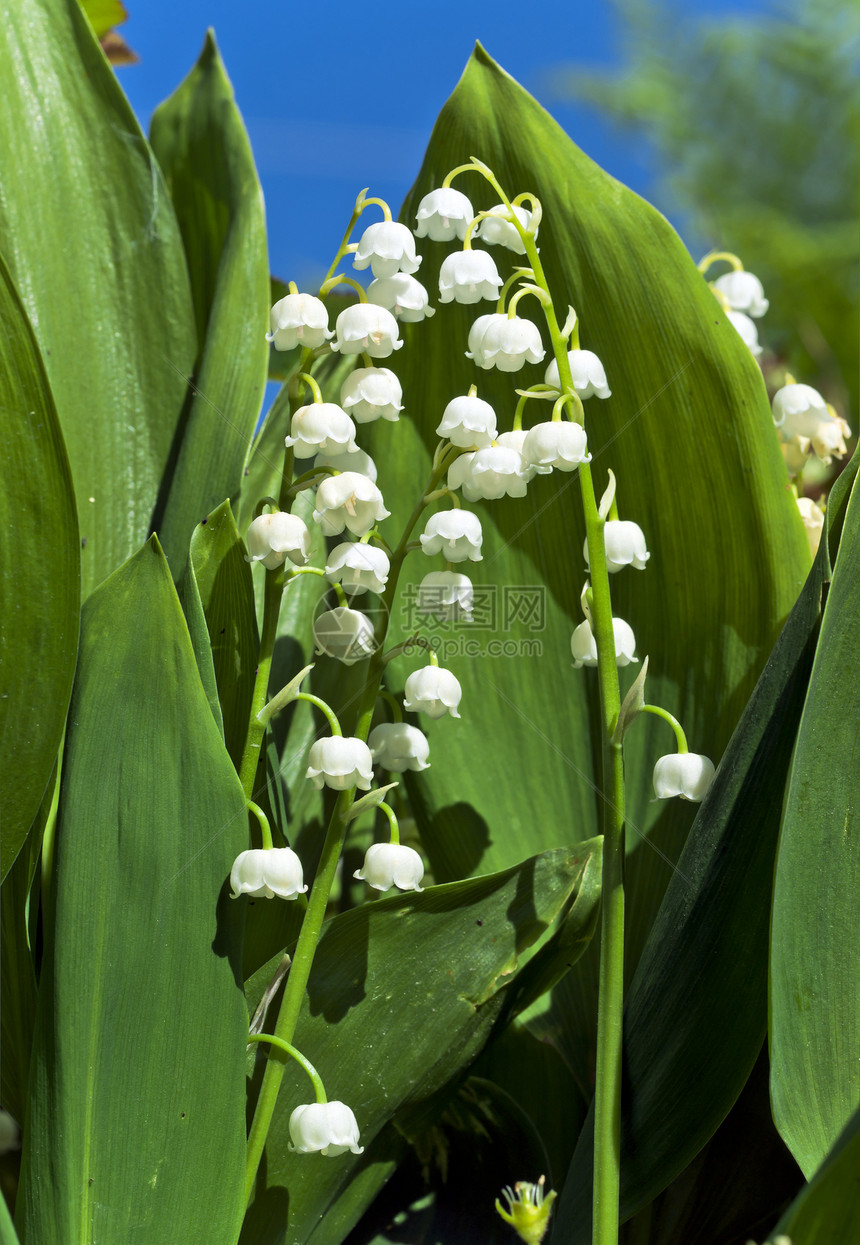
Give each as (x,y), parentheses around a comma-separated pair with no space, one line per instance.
(754,124)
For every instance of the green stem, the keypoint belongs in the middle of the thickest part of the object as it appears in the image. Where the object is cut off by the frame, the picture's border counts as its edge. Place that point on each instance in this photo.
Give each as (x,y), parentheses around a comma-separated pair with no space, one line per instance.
(316,1079)
(324,708)
(265,828)
(300,969)
(676,726)
(392,821)
(256,728)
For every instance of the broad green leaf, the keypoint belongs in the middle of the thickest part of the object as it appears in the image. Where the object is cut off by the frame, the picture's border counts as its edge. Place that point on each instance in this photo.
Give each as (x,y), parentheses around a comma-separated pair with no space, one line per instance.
(8,1235)
(696,1014)
(815,945)
(91,239)
(828,1208)
(438,962)
(689,435)
(18,989)
(103,15)
(136,1117)
(200,141)
(223,578)
(39,576)
(198,631)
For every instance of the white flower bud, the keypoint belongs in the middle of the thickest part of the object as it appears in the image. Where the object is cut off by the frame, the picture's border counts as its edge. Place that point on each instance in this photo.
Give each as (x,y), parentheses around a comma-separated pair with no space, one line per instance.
(446,595)
(386,247)
(587,372)
(813,522)
(10,1133)
(468,421)
(625,545)
(799,410)
(747,330)
(583,645)
(344,634)
(403,296)
(443,214)
(556,443)
(497,471)
(340,763)
(433,691)
(505,342)
(828,440)
(454,533)
(469,276)
(743,292)
(391,864)
(348,501)
(298,320)
(321,426)
(327,1127)
(264,873)
(357,461)
(272,538)
(359,567)
(371,393)
(365,328)
(498,230)
(686,774)
(397,746)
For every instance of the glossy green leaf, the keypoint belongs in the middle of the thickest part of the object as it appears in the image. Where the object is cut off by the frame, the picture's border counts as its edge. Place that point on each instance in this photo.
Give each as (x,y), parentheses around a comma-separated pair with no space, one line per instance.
(696,1014)
(200,141)
(815,938)
(689,435)
(438,962)
(828,1208)
(18,988)
(91,239)
(8,1235)
(223,578)
(137,1105)
(39,577)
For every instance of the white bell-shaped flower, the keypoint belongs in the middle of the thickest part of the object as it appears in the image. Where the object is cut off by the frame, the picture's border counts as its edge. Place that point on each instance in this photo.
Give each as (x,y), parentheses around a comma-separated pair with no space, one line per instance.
(498,230)
(264,873)
(391,864)
(625,545)
(327,1127)
(365,328)
(489,473)
(743,292)
(350,501)
(433,691)
(371,393)
(747,330)
(322,426)
(344,634)
(828,440)
(340,763)
(469,276)
(557,443)
(403,296)
(685,774)
(272,538)
(454,533)
(357,461)
(813,521)
(504,342)
(468,421)
(443,215)
(515,440)
(10,1133)
(587,372)
(799,410)
(359,567)
(298,320)
(583,646)
(397,746)
(387,247)
(446,595)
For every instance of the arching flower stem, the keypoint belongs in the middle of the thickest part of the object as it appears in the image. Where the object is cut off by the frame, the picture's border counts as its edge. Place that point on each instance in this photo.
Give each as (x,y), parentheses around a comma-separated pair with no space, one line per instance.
(673,722)
(280,1044)
(265,828)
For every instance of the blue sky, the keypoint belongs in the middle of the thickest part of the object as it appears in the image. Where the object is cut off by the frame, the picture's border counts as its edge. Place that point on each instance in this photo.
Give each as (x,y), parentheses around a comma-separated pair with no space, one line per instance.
(337,96)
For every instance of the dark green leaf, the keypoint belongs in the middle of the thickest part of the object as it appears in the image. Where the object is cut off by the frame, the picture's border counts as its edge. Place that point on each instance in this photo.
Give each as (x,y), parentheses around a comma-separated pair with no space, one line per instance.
(201,143)
(91,239)
(136,1116)
(39,576)
(815,946)
(828,1208)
